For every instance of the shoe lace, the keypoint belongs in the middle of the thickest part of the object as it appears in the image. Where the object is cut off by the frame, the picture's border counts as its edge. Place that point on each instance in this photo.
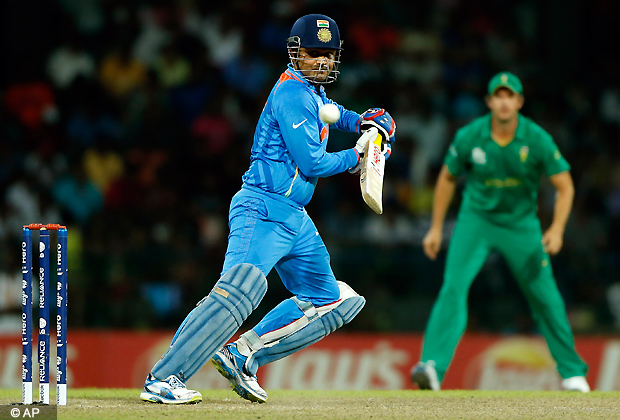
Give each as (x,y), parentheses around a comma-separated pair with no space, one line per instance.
(175,383)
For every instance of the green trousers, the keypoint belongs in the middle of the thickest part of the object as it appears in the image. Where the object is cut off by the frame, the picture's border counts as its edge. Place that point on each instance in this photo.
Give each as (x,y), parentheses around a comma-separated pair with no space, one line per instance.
(473,240)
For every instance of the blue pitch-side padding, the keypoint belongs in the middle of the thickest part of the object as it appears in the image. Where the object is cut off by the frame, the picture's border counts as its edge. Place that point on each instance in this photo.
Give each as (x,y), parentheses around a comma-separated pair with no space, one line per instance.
(310,334)
(213,322)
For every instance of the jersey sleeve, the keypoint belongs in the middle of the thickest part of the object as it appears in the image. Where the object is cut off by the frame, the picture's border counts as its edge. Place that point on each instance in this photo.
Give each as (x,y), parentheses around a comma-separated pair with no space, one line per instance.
(552,160)
(456,156)
(297,115)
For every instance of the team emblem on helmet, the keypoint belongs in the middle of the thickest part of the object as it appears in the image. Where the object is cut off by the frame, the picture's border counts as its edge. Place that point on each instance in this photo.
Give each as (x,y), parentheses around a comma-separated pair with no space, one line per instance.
(324,35)
(504,78)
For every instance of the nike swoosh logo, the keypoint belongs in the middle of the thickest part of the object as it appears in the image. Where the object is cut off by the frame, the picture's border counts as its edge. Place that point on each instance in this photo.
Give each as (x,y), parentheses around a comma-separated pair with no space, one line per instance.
(297,125)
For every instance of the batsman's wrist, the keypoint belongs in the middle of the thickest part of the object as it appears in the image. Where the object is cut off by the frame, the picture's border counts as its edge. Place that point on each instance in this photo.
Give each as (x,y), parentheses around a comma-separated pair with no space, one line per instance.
(356,156)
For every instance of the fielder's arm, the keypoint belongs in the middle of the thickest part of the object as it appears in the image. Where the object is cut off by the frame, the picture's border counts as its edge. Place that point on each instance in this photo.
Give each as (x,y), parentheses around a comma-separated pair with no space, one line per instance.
(444,191)
(553,237)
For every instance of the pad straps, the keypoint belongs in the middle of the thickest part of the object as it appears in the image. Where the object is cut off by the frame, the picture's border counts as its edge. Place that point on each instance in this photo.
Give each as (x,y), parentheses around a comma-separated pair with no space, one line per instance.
(249,342)
(307,308)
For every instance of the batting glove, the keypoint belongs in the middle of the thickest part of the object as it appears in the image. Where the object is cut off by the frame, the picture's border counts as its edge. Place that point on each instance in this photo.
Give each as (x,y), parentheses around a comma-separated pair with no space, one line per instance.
(380,118)
(386,148)
(360,146)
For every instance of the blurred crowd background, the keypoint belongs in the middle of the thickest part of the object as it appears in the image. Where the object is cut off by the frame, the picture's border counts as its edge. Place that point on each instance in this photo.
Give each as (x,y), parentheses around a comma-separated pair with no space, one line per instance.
(131,121)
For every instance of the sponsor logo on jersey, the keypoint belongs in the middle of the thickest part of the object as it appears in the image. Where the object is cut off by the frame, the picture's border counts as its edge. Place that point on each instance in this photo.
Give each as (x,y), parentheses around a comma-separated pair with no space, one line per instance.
(322,23)
(295,126)
(324,35)
(478,156)
(503,183)
(523,152)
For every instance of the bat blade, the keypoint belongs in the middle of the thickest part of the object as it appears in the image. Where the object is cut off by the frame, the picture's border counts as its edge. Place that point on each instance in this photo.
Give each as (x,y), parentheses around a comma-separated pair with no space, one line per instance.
(371,176)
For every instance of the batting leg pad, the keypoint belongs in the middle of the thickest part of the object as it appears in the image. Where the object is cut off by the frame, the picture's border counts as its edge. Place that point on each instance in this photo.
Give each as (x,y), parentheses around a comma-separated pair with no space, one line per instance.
(213,322)
(329,319)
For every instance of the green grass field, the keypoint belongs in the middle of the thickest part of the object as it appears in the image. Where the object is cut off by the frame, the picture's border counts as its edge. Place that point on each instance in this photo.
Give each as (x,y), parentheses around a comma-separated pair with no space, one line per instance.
(319,405)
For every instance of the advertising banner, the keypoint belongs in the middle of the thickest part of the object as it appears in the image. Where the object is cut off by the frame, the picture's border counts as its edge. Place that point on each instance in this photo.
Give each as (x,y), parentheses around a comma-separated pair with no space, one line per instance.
(342,361)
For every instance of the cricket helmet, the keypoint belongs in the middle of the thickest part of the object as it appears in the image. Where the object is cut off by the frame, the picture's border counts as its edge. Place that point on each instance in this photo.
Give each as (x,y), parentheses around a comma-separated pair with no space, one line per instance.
(315,32)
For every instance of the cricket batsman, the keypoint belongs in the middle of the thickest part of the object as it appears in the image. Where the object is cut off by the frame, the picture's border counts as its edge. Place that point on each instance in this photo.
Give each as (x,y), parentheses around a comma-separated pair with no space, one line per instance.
(269,227)
(503,155)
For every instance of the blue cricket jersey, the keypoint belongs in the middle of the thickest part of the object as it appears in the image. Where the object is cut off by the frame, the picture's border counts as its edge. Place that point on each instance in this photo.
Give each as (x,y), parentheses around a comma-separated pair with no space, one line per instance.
(289,150)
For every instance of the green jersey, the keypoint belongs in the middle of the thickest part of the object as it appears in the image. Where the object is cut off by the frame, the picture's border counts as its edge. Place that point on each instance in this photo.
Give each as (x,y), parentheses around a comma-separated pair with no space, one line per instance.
(503,181)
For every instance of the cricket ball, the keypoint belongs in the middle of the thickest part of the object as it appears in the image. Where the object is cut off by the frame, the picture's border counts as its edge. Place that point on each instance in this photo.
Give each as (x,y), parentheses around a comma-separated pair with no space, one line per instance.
(329,113)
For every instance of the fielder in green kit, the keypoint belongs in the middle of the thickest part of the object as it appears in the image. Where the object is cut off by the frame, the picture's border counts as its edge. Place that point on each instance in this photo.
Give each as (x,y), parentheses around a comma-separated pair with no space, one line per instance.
(503,155)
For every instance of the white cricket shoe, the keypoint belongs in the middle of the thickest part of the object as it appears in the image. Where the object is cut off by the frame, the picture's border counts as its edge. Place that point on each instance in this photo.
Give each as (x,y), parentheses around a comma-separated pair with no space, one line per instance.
(425,376)
(229,362)
(169,391)
(576,383)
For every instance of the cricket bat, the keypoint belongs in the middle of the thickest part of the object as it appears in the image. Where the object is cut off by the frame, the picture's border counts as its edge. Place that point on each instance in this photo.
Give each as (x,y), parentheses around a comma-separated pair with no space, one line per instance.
(371,175)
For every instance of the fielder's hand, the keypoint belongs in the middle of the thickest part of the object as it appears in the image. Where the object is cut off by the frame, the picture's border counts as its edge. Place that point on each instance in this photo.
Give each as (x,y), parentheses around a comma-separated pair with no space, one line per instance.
(432,243)
(552,241)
